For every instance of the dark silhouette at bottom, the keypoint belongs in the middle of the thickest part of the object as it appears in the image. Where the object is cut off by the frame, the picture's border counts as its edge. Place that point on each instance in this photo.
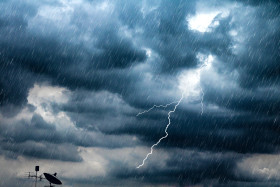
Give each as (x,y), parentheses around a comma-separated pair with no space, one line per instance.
(52,179)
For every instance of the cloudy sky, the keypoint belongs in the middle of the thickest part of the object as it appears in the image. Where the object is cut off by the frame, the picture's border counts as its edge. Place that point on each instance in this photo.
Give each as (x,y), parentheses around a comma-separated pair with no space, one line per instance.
(75,74)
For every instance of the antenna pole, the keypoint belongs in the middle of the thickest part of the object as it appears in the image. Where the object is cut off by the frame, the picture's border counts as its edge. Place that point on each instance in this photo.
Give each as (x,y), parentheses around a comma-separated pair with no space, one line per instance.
(36,180)
(36,169)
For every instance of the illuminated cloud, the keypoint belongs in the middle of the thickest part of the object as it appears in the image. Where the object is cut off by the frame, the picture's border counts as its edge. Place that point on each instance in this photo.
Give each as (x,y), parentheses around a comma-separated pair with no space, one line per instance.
(74,75)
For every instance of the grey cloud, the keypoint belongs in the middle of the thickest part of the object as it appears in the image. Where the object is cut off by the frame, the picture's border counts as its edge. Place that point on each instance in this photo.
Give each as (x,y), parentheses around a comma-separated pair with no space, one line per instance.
(56,60)
(259,2)
(185,168)
(257,39)
(42,150)
(27,137)
(116,52)
(104,52)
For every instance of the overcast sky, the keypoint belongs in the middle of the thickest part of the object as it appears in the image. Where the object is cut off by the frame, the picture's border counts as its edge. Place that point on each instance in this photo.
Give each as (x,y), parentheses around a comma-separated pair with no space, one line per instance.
(75,74)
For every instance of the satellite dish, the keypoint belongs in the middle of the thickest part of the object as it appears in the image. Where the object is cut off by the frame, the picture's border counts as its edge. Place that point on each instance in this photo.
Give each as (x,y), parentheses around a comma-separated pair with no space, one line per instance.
(52,179)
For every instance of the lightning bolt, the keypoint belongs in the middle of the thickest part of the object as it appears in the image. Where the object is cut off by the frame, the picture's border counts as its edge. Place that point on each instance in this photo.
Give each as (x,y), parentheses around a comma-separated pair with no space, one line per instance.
(169,114)
(202,93)
(166,128)
(156,106)
(201,101)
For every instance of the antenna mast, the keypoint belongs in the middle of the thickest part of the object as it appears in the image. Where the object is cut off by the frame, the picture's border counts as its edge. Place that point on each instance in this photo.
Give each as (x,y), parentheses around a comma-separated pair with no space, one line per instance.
(36,169)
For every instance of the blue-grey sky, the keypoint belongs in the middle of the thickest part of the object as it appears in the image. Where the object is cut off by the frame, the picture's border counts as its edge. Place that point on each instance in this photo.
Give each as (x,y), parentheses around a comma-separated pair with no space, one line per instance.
(75,74)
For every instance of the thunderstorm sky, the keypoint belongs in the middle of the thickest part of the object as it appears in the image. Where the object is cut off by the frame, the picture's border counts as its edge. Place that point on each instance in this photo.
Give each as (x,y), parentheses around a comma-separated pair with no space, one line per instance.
(75,74)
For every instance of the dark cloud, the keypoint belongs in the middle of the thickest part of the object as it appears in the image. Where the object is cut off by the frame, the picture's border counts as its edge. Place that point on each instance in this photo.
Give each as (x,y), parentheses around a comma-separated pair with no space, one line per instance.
(116,52)
(118,58)
(258,2)
(190,130)
(258,34)
(198,168)
(36,139)
(27,58)
(165,31)
(265,102)
(40,139)
(42,150)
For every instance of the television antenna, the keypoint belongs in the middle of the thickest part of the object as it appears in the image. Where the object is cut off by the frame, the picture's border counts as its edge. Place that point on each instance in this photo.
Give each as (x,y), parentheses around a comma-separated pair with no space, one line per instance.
(30,175)
(51,178)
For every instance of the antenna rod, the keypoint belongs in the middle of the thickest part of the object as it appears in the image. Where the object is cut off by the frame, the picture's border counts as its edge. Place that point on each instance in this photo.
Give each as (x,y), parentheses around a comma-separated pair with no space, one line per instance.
(36,179)
(36,169)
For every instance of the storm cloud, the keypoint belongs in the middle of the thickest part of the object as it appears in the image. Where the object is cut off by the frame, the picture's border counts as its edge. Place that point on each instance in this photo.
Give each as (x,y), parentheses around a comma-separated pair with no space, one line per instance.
(74,76)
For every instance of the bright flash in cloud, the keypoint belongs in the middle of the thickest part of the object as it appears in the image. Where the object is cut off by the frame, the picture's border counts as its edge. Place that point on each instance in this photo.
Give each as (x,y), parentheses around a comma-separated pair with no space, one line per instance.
(204,21)
(201,22)
(188,83)
(189,80)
